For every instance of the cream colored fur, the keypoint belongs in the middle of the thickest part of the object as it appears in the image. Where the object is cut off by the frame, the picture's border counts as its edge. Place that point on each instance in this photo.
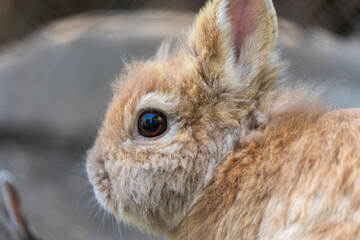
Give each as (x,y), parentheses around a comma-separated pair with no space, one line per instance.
(243,157)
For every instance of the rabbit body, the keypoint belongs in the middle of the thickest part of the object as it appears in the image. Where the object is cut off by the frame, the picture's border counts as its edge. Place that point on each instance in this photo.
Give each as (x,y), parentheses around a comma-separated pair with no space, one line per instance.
(241,157)
(299,180)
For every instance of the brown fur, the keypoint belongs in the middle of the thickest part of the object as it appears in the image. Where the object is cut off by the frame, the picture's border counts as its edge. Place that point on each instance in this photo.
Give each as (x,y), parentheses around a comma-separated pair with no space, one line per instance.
(243,158)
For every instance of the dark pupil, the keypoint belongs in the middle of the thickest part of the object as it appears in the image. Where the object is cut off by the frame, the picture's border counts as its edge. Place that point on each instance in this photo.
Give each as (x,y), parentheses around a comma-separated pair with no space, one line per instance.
(151,122)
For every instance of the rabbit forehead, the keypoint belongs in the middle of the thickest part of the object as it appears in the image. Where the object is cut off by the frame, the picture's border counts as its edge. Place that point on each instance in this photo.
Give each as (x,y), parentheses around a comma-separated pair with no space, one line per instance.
(161,101)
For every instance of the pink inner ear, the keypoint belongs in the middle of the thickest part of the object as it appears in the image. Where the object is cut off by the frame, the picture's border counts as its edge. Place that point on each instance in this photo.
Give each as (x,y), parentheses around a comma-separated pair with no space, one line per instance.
(15,205)
(242,15)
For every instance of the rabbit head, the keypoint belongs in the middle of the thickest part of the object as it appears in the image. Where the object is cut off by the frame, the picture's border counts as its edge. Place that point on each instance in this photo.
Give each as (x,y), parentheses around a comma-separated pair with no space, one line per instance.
(174,118)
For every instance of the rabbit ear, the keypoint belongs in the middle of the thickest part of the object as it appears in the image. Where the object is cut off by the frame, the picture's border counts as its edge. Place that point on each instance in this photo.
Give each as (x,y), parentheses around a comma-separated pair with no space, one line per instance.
(235,33)
(14,221)
(274,24)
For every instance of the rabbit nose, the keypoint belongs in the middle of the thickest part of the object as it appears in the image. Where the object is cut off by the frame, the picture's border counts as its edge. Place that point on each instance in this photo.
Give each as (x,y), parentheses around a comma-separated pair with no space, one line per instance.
(94,162)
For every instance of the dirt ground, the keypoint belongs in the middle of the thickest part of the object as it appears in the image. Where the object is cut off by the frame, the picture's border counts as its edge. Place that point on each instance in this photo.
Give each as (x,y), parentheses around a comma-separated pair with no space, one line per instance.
(55,84)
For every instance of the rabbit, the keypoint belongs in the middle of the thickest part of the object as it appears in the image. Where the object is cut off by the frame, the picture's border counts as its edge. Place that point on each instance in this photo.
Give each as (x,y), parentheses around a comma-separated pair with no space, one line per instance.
(13,224)
(202,141)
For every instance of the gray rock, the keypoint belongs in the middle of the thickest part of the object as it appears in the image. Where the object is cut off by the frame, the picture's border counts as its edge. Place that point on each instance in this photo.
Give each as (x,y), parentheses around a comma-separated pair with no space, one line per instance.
(57,82)
(328,62)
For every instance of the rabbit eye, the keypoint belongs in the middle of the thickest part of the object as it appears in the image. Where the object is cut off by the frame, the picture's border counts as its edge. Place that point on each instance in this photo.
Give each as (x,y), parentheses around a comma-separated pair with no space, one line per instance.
(152,124)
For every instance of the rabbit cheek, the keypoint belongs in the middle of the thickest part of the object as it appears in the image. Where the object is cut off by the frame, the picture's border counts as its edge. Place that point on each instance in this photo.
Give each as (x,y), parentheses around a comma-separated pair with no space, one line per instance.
(148,186)
(152,193)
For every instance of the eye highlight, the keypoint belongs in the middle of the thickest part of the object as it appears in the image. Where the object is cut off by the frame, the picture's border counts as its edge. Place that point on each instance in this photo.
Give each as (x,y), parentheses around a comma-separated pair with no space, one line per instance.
(152,123)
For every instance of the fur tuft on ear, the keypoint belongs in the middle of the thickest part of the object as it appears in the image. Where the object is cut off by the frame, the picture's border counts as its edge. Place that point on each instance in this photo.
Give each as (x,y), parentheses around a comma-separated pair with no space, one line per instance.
(234,35)
(274,24)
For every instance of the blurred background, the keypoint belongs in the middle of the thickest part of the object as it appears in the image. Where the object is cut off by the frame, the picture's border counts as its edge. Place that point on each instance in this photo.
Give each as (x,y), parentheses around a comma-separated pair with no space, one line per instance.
(59,57)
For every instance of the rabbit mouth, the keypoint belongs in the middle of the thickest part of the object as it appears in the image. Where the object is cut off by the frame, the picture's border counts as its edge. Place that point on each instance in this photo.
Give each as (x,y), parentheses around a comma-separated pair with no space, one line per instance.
(101,182)
(104,192)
